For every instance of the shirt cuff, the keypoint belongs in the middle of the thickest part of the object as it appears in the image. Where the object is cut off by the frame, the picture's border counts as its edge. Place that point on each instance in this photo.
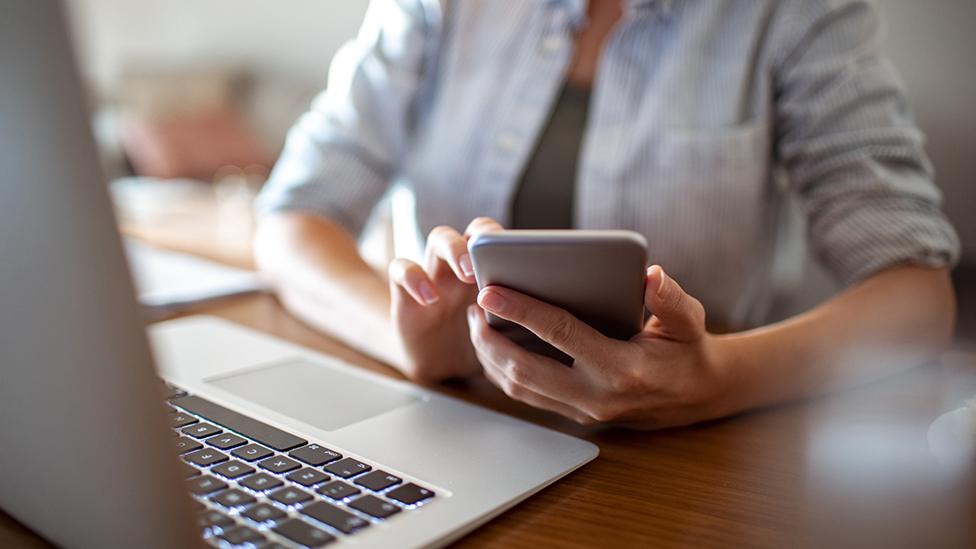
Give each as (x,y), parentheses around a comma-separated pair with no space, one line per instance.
(887,232)
(335,183)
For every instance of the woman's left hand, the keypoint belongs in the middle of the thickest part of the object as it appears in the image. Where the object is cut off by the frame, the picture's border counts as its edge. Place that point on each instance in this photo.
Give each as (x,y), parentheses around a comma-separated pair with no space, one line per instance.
(671,373)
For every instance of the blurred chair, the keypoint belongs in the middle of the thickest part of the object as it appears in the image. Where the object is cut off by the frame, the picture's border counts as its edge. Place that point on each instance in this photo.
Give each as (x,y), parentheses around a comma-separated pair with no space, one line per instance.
(187,123)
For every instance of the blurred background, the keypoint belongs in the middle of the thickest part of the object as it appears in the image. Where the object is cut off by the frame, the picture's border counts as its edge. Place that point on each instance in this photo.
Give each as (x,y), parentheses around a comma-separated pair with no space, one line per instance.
(192,102)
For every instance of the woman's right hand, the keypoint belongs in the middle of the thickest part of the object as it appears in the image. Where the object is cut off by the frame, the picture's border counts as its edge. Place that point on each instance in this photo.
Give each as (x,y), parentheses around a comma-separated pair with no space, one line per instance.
(429,305)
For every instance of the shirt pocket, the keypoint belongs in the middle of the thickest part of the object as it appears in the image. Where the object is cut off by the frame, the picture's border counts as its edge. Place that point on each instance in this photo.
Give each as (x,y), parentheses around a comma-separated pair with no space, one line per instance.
(711,161)
(702,198)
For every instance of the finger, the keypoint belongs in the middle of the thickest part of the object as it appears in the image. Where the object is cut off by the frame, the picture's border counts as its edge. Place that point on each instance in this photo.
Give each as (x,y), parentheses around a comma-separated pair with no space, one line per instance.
(481,225)
(411,277)
(447,245)
(679,315)
(552,324)
(523,394)
(534,372)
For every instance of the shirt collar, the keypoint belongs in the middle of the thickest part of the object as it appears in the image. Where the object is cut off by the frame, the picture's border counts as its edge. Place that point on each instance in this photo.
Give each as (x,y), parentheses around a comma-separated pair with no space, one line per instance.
(632,8)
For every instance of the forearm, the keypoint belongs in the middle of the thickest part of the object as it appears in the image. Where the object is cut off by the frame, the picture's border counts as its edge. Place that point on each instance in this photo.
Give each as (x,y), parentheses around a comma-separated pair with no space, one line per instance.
(894,320)
(315,268)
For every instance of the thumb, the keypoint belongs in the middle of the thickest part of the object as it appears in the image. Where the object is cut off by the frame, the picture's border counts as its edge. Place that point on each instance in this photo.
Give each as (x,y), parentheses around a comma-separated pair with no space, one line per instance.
(677,315)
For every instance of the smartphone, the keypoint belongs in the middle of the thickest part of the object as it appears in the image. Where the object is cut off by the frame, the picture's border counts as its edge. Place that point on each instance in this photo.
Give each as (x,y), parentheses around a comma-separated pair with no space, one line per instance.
(597,276)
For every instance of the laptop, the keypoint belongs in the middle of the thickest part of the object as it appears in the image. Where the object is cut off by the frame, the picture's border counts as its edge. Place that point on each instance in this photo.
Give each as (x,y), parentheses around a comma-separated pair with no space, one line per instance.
(204,432)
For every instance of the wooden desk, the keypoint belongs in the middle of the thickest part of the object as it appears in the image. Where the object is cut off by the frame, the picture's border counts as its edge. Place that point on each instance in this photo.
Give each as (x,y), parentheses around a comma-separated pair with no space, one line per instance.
(848,470)
(852,469)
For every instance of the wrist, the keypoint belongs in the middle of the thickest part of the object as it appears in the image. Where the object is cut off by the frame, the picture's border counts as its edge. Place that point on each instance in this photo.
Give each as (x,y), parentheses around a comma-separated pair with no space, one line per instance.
(728,376)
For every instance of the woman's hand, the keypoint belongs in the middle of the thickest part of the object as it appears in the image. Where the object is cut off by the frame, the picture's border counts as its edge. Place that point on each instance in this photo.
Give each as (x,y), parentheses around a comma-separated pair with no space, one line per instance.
(429,302)
(671,373)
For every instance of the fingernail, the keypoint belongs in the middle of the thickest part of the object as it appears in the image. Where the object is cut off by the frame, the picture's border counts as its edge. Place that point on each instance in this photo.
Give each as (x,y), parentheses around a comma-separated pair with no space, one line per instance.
(660,285)
(427,293)
(493,301)
(465,262)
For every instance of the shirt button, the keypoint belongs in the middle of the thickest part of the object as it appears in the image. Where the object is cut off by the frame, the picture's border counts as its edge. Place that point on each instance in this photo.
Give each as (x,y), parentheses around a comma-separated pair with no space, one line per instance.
(552,43)
(508,142)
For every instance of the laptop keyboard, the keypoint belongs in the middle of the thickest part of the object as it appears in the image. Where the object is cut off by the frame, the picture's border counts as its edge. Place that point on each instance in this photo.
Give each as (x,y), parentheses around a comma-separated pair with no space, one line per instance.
(258,486)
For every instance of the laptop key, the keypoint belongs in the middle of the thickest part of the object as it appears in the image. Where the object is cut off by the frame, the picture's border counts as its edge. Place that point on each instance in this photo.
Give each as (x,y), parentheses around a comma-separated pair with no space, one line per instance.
(374,506)
(410,494)
(204,485)
(181,420)
(205,457)
(239,535)
(260,482)
(342,521)
(307,476)
(170,392)
(232,498)
(345,468)
(212,517)
(378,480)
(187,444)
(290,496)
(315,455)
(279,464)
(226,441)
(338,490)
(249,427)
(188,470)
(252,452)
(200,430)
(303,533)
(262,512)
(233,469)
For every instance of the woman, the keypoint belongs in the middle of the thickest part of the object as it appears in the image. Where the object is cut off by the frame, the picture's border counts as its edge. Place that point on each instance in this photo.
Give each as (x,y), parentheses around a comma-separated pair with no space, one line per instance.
(690,121)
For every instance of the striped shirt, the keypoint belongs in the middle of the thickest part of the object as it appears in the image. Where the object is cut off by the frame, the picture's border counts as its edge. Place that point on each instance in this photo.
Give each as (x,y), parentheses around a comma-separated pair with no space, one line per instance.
(707,117)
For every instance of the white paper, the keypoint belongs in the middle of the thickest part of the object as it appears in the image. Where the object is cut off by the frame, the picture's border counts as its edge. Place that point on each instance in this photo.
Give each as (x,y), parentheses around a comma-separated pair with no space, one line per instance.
(168,280)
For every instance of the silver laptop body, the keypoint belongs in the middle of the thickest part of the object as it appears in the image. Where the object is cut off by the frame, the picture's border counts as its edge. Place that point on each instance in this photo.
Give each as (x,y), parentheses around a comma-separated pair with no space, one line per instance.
(88,448)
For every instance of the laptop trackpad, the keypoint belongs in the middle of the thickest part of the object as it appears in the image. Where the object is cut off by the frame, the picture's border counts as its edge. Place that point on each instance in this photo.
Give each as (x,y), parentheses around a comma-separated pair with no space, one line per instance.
(317,395)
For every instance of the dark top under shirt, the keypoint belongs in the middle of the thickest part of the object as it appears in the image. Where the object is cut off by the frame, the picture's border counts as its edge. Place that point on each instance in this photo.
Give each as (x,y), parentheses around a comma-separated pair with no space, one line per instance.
(546,193)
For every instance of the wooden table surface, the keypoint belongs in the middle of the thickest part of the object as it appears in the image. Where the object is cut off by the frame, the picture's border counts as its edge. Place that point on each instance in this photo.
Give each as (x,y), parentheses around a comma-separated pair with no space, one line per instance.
(852,469)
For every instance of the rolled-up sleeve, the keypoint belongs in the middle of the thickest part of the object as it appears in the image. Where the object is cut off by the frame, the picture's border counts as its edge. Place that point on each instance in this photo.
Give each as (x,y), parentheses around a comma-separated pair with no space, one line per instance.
(340,156)
(850,148)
